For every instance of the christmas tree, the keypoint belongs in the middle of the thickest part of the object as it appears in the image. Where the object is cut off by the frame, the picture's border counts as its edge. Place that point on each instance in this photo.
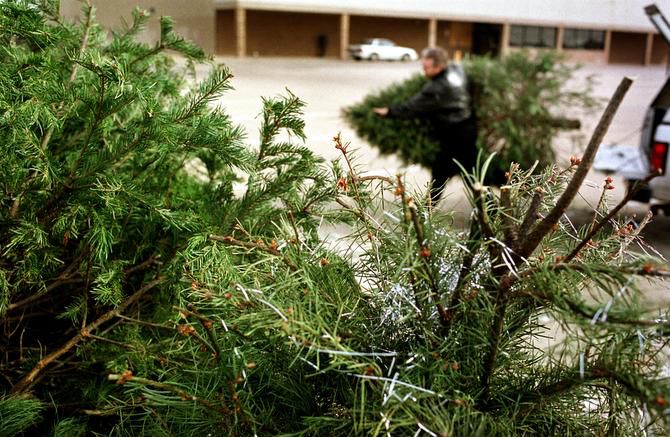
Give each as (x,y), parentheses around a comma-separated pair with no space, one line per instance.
(159,277)
(521,100)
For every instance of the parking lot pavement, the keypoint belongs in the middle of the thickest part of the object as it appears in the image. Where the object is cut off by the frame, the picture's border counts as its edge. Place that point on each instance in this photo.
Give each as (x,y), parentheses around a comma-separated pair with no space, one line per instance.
(328,85)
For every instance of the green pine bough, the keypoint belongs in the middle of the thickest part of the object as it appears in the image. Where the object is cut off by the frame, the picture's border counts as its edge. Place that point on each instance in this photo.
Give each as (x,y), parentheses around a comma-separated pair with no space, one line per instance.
(160,277)
(522,101)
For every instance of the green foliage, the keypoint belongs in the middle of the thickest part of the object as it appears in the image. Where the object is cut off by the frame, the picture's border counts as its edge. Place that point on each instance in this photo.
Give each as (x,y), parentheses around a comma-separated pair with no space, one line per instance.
(18,414)
(311,342)
(522,101)
(158,277)
(410,138)
(116,160)
(70,427)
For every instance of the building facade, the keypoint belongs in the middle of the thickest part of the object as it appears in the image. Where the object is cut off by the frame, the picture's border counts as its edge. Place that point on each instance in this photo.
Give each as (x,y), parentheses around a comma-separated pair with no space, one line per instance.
(600,31)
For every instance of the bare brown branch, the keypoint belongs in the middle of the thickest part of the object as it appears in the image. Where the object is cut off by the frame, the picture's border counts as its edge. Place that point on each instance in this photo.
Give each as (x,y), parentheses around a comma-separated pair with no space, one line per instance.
(541,229)
(28,380)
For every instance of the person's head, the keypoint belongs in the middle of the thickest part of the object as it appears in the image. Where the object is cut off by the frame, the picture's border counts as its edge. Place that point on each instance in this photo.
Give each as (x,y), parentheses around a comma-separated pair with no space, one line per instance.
(433,61)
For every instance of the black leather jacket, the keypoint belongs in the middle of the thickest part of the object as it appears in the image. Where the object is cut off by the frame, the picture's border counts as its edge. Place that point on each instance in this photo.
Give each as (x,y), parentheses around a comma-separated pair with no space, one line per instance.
(443,100)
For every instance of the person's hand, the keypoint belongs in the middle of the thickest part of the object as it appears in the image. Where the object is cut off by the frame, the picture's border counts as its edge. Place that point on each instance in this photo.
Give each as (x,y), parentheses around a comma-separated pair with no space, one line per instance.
(382,112)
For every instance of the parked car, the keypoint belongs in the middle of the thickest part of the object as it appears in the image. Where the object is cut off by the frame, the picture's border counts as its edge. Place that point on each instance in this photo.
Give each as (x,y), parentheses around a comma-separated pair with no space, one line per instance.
(651,157)
(375,49)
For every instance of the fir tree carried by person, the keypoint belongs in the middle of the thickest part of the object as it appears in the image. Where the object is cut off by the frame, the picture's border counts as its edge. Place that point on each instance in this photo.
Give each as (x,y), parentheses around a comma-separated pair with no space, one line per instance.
(522,102)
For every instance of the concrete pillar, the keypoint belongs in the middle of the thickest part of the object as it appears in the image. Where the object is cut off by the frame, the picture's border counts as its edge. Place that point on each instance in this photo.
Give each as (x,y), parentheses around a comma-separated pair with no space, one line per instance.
(344,35)
(432,32)
(241,31)
(608,45)
(559,38)
(649,49)
(504,39)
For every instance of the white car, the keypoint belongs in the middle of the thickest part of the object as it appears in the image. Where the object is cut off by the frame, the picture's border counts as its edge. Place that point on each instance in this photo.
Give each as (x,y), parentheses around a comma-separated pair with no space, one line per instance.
(375,49)
(635,164)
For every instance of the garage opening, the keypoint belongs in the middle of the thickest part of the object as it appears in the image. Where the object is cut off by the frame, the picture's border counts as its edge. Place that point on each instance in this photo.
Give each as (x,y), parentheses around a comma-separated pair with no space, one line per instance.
(292,34)
(464,37)
(627,48)
(225,32)
(486,39)
(455,36)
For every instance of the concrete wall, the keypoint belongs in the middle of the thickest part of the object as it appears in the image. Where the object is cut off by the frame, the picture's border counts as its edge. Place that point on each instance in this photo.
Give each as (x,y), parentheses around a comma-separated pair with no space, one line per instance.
(616,14)
(194,19)
(586,56)
(277,28)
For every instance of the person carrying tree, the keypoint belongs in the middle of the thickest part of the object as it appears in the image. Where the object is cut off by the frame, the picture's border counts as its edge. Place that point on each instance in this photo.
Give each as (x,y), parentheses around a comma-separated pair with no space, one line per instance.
(444,102)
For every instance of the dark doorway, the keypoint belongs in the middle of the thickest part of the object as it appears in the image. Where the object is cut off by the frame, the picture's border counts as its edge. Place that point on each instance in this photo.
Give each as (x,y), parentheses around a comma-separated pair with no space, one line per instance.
(627,48)
(486,39)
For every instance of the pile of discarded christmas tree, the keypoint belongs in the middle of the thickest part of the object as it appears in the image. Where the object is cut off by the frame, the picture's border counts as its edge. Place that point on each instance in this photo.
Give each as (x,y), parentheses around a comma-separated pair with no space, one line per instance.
(160,277)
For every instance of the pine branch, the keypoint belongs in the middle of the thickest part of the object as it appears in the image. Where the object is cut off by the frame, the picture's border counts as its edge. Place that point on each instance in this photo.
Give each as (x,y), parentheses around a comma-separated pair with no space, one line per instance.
(587,377)
(110,341)
(495,335)
(152,260)
(541,229)
(509,227)
(272,249)
(590,313)
(28,380)
(426,257)
(359,212)
(364,178)
(14,211)
(207,325)
(159,47)
(294,225)
(73,74)
(343,148)
(98,117)
(481,211)
(145,323)
(647,271)
(541,395)
(506,282)
(38,296)
(273,122)
(632,236)
(230,241)
(184,395)
(532,212)
(209,90)
(472,245)
(595,229)
(49,210)
(66,277)
(400,190)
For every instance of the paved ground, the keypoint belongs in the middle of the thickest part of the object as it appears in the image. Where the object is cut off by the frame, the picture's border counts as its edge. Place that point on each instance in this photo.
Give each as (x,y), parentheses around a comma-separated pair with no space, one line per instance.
(329,85)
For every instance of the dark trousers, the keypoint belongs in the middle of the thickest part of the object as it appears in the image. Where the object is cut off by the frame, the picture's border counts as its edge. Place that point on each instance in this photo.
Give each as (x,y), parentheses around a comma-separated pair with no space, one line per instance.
(458,141)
